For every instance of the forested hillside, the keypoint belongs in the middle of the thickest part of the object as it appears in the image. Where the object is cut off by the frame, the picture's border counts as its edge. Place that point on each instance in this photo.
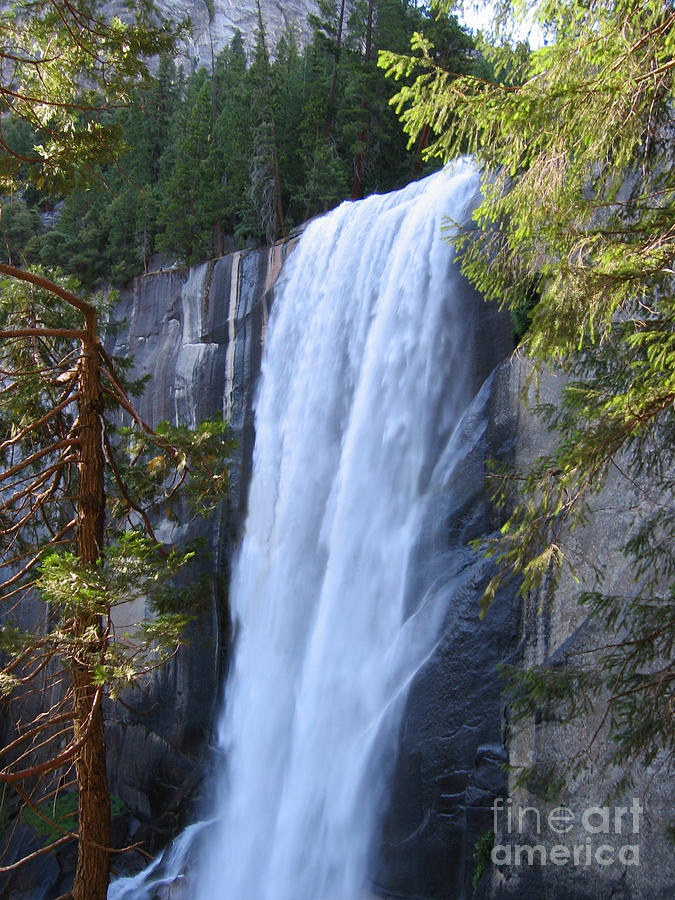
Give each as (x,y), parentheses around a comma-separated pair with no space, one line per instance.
(239,153)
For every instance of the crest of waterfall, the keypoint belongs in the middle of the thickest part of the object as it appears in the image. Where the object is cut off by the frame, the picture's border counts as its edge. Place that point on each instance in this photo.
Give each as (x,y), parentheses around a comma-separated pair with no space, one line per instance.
(366,375)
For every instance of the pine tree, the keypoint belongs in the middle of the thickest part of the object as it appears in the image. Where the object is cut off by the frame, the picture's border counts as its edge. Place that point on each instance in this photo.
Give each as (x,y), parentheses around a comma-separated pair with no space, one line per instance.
(329,33)
(361,146)
(287,91)
(194,199)
(265,177)
(83,557)
(578,215)
(234,139)
(324,180)
(62,66)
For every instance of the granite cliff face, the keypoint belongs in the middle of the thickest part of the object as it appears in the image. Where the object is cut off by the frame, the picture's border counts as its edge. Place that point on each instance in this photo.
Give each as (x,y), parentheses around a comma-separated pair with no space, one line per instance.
(199,334)
(616,833)
(229,16)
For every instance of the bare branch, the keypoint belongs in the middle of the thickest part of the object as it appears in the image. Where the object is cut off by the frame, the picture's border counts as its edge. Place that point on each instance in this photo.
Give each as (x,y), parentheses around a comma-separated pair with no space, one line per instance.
(85,308)
(36,853)
(43,332)
(57,445)
(51,764)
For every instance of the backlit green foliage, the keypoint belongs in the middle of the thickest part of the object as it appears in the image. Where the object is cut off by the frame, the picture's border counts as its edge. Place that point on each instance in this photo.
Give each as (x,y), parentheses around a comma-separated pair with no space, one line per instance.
(63,66)
(575,144)
(170,471)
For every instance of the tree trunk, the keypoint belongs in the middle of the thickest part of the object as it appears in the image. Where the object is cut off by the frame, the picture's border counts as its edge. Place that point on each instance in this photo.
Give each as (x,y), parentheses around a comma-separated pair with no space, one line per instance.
(93,860)
(92,874)
(359,162)
(422,144)
(279,226)
(333,80)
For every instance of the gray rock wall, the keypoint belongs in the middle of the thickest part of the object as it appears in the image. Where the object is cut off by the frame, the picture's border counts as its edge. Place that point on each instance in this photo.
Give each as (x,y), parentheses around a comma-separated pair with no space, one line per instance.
(452,744)
(230,15)
(197,335)
(547,630)
(459,751)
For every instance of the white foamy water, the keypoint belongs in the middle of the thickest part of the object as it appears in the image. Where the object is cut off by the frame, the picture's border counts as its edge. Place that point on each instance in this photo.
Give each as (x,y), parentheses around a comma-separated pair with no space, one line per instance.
(364,378)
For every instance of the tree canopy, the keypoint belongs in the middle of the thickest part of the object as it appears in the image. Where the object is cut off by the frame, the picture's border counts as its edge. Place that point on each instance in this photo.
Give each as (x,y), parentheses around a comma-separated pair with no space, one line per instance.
(577,225)
(233,155)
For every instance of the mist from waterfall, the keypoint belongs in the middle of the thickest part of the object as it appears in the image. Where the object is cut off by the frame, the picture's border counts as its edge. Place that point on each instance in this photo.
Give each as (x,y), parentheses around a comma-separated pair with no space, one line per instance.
(365,377)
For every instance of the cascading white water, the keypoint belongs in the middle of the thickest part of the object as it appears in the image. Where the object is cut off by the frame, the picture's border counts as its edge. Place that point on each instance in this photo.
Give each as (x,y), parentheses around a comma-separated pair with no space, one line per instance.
(365,373)
(364,379)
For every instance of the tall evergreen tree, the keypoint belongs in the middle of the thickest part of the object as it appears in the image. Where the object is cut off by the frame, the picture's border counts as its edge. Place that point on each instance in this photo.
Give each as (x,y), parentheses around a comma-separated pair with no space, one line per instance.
(329,32)
(82,557)
(194,197)
(234,139)
(324,181)
(288,94)
(366,88)
(62,65)
(265,177)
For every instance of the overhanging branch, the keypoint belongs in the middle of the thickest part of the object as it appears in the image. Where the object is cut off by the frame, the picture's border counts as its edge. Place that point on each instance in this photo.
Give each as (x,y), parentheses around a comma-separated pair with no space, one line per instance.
(85,308)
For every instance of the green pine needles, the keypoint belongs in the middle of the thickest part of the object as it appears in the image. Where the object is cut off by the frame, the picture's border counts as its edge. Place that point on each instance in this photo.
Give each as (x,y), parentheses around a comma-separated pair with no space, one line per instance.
(575,143)
(90,598)
(64,68)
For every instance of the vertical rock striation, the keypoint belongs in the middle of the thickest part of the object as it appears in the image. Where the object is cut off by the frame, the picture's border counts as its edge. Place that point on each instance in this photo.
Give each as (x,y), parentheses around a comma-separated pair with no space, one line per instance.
(197,335)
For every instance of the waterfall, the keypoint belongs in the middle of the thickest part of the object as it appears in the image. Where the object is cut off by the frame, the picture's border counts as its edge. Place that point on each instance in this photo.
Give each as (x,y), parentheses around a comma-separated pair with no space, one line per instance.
(365,377)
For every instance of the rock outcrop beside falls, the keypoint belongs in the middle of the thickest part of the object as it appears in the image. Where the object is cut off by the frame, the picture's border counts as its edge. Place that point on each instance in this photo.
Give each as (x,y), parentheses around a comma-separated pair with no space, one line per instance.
(629,822)
(458,740)
(198,335)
